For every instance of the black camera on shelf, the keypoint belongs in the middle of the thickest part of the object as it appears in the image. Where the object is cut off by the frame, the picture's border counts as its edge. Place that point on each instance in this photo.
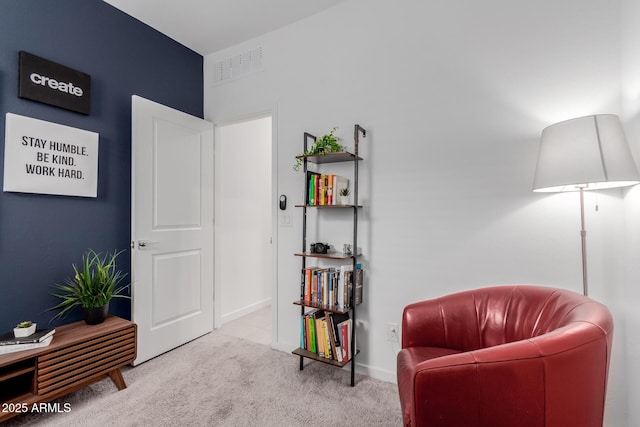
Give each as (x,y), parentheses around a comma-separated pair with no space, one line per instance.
(319,248)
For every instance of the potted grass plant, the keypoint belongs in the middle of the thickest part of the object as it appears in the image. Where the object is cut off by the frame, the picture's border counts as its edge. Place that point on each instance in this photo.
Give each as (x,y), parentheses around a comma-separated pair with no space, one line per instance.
(93,285)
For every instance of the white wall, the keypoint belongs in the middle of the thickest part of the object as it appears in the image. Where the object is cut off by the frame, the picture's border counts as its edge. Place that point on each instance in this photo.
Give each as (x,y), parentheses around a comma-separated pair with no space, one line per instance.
(626,305)
(243,216)
(454,96)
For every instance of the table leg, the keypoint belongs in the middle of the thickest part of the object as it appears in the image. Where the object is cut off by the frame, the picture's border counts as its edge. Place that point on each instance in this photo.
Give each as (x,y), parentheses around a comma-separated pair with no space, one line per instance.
(118,380)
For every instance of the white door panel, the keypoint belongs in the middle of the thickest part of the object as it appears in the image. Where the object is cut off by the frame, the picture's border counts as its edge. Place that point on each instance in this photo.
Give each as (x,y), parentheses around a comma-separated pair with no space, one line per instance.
(177,152)
(172,227)
(169,269)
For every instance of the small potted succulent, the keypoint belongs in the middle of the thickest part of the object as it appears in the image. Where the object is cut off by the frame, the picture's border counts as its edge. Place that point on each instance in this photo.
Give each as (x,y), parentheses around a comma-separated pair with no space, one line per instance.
(344,196)
(24,329)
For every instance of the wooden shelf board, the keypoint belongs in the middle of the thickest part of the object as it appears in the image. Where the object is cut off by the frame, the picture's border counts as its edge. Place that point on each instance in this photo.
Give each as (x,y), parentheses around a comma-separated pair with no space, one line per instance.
(341,156)
(17,373)
(333,309)
(330,255)
(328,206)
(309,355)
(27,398)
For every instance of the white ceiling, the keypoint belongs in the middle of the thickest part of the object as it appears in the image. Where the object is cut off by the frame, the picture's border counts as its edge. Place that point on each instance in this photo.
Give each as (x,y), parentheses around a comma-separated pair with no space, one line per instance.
(207,26)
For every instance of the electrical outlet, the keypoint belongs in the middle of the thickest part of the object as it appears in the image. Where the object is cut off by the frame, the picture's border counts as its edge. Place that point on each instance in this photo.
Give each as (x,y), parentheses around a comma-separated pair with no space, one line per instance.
(392,332)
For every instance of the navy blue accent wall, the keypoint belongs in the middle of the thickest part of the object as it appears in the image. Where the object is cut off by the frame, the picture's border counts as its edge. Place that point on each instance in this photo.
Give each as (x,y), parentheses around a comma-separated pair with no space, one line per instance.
(42,235)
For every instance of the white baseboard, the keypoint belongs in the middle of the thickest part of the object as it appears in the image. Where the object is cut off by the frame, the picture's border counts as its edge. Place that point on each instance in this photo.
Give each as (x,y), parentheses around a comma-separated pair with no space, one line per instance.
(225,318)
(377,373)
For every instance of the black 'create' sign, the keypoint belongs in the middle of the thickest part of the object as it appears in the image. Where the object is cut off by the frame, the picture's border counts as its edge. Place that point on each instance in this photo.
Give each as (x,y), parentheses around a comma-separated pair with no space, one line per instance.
(54,84)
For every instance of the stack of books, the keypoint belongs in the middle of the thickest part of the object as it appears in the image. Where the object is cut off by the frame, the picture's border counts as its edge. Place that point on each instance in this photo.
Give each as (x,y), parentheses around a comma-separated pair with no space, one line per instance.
(331,286)
(40,338)
(326,334)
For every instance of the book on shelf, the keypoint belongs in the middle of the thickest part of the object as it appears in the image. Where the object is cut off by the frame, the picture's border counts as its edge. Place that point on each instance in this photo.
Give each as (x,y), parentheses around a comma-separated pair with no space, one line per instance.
(343,285)
(321,190)
(307,333)
(5,349)
(359,284)
(329,350)
(312,334)
(303,333)
(36,337)
(333,335)
(345,328)
(313,331)
(319,337)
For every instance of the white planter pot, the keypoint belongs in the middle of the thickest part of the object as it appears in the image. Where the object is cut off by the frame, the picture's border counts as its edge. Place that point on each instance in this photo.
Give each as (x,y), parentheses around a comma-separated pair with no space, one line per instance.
(24,332)
(345,200)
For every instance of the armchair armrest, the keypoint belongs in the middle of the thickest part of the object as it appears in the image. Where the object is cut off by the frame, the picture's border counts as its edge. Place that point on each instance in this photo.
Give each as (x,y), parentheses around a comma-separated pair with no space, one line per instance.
(448,322)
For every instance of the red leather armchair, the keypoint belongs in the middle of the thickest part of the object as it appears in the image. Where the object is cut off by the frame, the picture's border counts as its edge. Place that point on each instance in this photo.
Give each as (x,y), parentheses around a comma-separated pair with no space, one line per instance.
(505,356)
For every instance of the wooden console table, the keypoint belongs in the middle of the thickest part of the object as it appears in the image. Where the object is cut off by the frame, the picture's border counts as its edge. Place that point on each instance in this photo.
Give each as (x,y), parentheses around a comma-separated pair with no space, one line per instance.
(78,355)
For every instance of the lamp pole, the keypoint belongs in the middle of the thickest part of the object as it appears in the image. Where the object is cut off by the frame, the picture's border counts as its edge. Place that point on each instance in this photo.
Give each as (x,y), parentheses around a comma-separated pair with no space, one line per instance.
(583,235)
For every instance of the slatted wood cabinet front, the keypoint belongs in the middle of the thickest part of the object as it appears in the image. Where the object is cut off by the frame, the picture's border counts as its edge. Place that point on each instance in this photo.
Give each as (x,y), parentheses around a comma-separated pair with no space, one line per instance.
(79,355)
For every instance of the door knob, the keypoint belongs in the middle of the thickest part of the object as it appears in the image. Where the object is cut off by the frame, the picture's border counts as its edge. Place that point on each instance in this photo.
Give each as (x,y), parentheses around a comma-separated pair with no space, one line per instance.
(143,244)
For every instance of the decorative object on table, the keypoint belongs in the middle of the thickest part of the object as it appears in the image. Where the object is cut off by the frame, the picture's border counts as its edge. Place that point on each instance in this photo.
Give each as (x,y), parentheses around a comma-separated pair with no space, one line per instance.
(324,145)
(92,287)
(15,348)
(586,153)
(24,329)
(10,343)
(38,336)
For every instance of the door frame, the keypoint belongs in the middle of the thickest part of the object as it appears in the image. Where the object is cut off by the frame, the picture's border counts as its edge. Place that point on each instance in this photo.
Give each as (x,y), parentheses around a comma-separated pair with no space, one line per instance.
(217,286)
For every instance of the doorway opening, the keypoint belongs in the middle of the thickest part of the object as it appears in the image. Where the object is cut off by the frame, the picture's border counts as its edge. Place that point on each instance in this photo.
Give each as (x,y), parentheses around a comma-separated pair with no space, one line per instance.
(243,225)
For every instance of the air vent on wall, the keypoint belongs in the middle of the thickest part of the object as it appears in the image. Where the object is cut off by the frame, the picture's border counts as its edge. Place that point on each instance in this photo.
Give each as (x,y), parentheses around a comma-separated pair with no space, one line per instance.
(237,66)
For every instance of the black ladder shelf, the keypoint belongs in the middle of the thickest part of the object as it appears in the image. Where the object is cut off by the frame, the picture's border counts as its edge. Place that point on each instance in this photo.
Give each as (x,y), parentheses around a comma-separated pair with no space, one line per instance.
(343,156)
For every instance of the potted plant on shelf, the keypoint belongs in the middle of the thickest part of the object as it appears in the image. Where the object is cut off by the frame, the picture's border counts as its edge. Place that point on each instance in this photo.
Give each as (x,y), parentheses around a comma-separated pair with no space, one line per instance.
(93,285)
(325,144)
(344,196)
(24,329)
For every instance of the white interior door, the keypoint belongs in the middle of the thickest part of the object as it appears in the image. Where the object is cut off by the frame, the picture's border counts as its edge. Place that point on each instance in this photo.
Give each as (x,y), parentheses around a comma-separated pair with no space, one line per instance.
(172,227)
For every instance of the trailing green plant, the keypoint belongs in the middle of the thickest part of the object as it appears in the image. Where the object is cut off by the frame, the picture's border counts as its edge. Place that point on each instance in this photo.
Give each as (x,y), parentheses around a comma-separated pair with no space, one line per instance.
(25,324)
(325,144)
(94,284)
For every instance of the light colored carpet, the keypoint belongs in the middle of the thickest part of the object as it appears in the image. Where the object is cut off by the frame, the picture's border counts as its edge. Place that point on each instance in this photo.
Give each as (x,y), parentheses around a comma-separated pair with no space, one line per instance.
(220,380)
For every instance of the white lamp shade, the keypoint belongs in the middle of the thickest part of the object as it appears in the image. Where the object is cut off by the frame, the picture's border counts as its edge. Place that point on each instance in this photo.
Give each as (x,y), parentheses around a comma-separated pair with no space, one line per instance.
(588,152)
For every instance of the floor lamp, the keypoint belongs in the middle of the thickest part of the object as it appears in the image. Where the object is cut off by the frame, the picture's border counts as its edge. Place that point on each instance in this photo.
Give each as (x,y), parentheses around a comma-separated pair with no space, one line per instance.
(586,153)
